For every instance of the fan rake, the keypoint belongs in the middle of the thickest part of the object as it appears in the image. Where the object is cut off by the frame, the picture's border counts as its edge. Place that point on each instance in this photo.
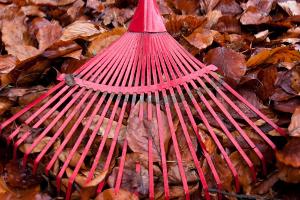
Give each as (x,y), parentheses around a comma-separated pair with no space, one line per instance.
(148,68)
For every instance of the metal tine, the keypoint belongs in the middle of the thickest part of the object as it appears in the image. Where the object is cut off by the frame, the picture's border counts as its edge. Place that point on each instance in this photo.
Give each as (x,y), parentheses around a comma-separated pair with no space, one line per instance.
(174,59)
(196,63)
(133,101)
(122,67)
(243,154)
(156,66)
(230,118)
(83,133)
(48,114)
(164,62)
(172,63)
(38,139)
(128,62)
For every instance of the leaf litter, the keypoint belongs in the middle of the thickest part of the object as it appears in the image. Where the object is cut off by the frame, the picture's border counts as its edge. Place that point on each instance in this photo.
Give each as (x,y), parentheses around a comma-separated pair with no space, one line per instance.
(254,44)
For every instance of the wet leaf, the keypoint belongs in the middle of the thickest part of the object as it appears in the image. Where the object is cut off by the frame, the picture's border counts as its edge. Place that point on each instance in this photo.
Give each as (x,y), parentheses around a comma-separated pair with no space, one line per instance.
(231,64)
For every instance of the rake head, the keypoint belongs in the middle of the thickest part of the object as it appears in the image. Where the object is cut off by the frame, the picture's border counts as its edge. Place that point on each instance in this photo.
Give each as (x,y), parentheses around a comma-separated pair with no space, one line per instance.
(145,79)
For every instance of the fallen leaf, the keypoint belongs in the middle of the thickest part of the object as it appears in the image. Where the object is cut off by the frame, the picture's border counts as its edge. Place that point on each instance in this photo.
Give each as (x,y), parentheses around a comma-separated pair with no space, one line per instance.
(288,106)
(187,6)
(267,78)
(51,2)
(104,40)
(228,7)
(291,7)
(290,154)
(80,29)
(5,105)
(47,33)
(231,64)
(266,185)
(38,148)
(228,24)
(138,132)
(7,63)
(110,194)
(75,158)
(104,124)
(257,12)
(201,38)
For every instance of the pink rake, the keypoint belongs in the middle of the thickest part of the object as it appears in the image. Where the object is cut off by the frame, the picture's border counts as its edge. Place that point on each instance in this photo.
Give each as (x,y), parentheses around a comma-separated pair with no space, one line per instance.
(145,65)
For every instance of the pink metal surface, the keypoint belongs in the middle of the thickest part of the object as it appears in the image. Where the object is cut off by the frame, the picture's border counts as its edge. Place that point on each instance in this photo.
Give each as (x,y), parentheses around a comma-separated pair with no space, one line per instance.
(149,67)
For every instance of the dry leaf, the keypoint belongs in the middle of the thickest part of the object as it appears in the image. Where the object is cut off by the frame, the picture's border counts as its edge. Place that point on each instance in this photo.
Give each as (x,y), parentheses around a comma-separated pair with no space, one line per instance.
(104,124)
(294,127)
(138,132)
(292,7)
(229,7)
(231,64)
(75,158)
(201,38)
(51,2)
(38,148)
(104,40)
(7,63)
(110,194)
(80,29)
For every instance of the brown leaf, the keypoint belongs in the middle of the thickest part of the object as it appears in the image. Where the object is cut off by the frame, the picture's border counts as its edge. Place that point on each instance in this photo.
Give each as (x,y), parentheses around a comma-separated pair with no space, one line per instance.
(229,7)
(51,2)
(104,40)
(75,159)
(24,147)
(223,172)
(266,185)
(290,154)
(116,16)
(7,63)
(257,12)
(294,127)
(5,105)
(231,65)
(138,132)
(187,6)
(288,106)
(174,175)
(228,24)
(110,194)
(60,49)
(80,29)
(291,7)
(104,124)
(96,5)
(201,38)
(267,79)
(81,178)
(32,10)
(274,56)
(47,33)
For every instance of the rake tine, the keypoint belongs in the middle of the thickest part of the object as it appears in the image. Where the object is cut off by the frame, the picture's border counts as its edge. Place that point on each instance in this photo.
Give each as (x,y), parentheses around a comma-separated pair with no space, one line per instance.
(51,125)
(49,113)
(202,116)
(189,113)
(31,105)
(79,140)
(121,167)
(183,125)
(95,62)
(77,123)
(228,134)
